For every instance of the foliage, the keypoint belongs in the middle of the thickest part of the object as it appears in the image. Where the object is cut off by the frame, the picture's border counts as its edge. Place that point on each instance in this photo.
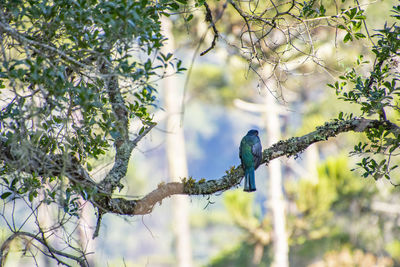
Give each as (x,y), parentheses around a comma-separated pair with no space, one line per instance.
(331,213)
(320,202)
(240,255)
(344,215)
(59,62)
(346,257)
(221,86)
(376,94)
(73,75)
(393,248)
(240,206)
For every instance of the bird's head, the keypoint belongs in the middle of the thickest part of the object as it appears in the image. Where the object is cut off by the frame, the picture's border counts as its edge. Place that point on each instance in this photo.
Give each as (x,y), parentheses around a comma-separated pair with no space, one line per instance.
(252,132)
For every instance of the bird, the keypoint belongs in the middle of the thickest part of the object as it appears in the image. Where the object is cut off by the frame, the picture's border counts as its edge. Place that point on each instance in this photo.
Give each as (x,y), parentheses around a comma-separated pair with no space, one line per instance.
(250,156)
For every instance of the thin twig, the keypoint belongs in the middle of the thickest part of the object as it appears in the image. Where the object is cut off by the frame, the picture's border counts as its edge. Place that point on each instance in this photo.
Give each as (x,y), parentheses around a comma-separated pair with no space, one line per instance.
(209,18)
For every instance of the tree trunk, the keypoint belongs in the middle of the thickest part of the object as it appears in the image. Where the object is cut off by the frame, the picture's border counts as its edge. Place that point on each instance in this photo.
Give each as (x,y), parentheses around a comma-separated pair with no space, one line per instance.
(176,156)
(312,157)
(276,198)
(45,222)
(85,231)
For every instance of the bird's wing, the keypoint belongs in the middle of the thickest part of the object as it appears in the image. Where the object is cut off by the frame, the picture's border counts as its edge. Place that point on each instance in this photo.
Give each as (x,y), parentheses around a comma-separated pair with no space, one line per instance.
(240,150)
(256,150)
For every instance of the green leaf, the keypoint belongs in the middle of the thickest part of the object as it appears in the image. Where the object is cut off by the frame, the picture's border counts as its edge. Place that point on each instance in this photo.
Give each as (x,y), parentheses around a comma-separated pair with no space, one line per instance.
(174,6)
(67,194)
(5,195)
(322,10)
(88,166)
(347,38)
(147,65)
(30,197)
(14,182)
(141,130)
(360,17)
(5,180)
(359,35)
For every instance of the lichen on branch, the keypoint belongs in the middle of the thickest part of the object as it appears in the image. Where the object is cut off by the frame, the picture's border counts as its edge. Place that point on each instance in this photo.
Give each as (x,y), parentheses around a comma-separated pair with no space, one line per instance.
(233,176)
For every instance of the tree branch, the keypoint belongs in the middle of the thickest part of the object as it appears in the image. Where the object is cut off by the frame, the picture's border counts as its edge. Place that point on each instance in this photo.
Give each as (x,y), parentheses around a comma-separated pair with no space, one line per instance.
(26,41)
(209,18)
(290,147)
(124,149)
(233,177)
(6,246)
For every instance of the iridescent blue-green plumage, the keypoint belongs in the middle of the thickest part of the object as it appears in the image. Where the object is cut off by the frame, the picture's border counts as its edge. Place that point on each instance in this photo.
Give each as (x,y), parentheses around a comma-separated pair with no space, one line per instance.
(250,155)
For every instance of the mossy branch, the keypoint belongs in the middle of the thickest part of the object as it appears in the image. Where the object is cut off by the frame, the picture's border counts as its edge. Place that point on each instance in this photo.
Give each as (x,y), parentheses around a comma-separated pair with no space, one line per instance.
(233,176)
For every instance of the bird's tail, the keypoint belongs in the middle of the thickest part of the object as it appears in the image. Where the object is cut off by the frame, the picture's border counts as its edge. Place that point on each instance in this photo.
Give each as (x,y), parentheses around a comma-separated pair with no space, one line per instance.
(249,180)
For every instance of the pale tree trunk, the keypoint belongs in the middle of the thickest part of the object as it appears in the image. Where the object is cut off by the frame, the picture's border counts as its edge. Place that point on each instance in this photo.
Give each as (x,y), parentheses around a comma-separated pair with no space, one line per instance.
(176,156)
(45,221)
(85,231)
(276,198)
(276,202)
(312,157)
(307,169)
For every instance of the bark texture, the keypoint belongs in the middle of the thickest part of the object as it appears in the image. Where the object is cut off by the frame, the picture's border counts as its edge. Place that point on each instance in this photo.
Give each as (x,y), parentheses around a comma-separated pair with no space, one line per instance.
(42,163)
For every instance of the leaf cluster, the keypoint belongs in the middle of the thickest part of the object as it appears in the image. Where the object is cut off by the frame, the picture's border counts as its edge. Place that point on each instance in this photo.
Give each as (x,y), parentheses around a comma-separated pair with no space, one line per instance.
(59,63)
(376,94)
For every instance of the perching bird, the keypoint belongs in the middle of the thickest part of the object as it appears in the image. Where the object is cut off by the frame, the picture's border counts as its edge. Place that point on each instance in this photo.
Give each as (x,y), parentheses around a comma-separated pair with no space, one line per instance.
(250,155)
